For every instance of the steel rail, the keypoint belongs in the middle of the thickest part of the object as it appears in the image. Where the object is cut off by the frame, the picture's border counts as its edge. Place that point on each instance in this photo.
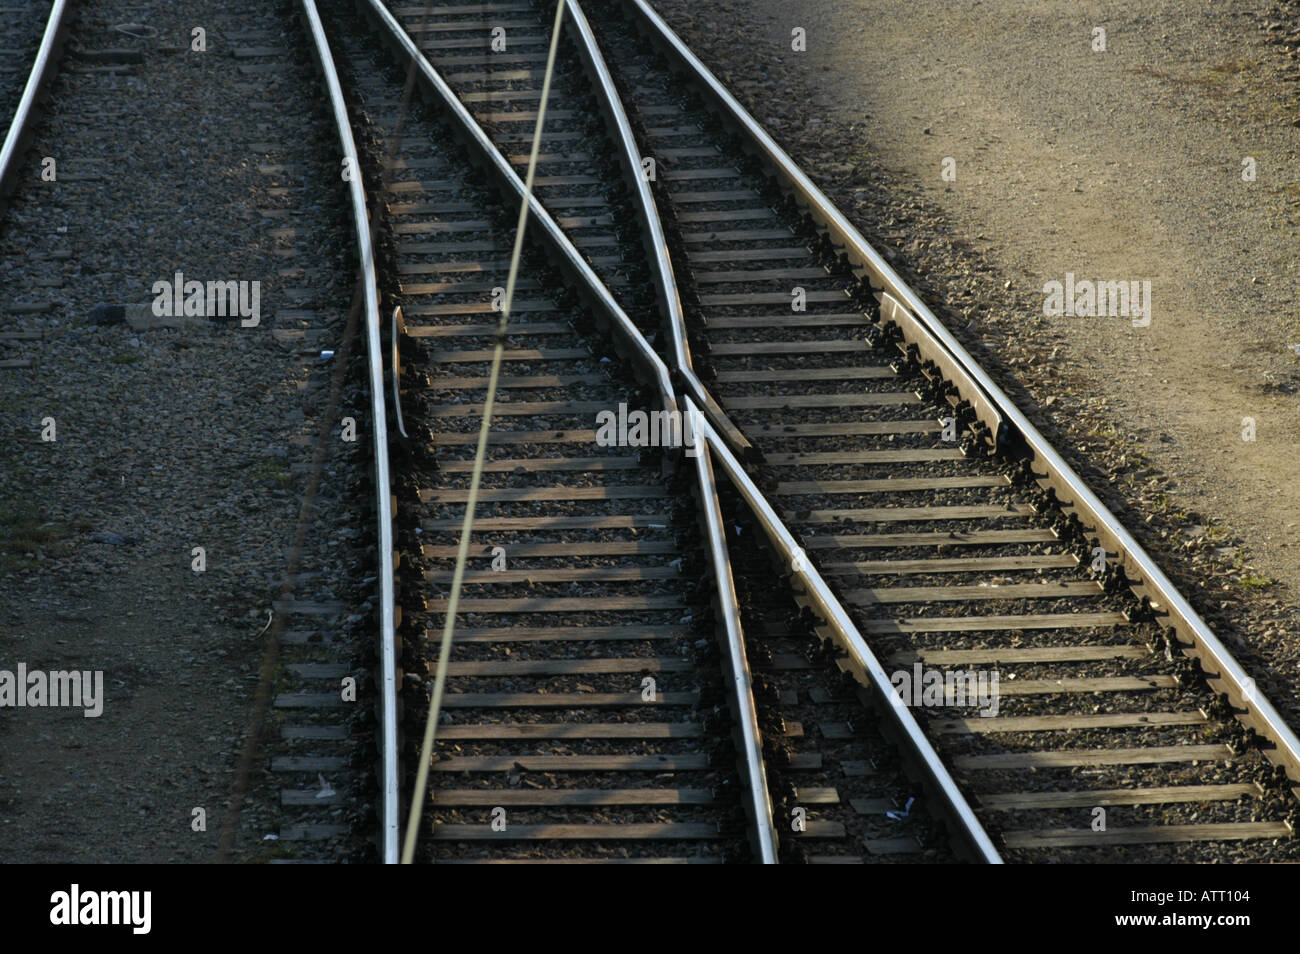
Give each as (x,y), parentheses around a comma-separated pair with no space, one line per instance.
(661,266)
(992,404)
(861,659)
(627,337)
(389,817)
(42,72)
(933,340)
(740,680)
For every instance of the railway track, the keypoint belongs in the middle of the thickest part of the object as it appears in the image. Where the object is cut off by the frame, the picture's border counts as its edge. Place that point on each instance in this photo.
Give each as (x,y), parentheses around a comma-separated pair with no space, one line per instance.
(951,551)
(616,641)
(242,478)
(670,657)
(584,718)
(917,514)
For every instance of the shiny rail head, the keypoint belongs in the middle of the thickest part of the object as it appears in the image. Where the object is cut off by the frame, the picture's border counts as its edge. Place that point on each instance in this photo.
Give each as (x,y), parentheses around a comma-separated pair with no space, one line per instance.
(389,794)
(683,374)
(763,831)
(42,74)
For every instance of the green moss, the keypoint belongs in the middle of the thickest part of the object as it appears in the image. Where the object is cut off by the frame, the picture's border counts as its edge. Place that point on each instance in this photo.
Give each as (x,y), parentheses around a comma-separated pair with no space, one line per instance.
(273,850)
(1232,67)
(273,471)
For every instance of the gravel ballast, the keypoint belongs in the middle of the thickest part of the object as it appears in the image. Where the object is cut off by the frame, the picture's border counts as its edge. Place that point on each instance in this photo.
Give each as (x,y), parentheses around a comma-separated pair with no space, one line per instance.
(167,439)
